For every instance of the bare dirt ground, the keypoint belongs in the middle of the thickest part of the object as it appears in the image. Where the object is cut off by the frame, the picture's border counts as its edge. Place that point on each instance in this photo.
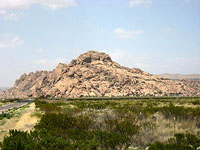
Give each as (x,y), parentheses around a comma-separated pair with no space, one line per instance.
(25,122)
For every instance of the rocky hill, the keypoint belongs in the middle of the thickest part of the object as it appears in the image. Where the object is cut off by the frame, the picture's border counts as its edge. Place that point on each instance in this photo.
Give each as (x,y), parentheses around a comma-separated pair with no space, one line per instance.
(181,76)
(95,74)
(3,89)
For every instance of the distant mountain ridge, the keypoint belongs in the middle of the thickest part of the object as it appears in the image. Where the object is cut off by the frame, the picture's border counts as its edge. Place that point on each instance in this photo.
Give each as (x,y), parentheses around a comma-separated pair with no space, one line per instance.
(94,74)
(3,89)
(181,76)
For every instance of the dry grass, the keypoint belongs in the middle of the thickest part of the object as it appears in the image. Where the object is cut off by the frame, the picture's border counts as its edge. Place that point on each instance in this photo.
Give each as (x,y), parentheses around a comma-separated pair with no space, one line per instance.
(155,127)
(154,122)
(163,129)
(25,121)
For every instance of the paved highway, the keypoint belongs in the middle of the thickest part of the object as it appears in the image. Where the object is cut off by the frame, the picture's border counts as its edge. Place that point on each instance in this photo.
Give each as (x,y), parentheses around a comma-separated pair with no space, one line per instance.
(14,105)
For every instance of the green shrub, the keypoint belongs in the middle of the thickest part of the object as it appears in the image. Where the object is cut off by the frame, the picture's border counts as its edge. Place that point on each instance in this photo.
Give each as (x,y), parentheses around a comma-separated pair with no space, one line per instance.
(179,142)
(196,102)
(6,115)
(100,124)
(17,140)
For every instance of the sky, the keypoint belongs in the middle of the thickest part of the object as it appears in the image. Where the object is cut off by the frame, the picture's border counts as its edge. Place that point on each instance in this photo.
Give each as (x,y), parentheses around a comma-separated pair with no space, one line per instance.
(158,36)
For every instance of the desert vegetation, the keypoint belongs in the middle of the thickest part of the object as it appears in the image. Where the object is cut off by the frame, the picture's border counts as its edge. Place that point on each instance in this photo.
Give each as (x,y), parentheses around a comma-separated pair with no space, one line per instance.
(168,123)
(13,112)
(22,118)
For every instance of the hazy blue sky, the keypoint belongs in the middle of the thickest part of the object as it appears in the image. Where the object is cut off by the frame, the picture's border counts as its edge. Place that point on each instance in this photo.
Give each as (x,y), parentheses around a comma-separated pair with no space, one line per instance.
(157,36)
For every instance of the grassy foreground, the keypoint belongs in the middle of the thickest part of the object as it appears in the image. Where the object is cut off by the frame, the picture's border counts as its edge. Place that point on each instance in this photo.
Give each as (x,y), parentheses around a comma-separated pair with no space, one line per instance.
(90,124)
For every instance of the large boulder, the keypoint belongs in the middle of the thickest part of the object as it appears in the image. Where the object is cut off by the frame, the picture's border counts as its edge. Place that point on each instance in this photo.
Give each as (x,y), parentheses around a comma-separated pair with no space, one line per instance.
(94,74)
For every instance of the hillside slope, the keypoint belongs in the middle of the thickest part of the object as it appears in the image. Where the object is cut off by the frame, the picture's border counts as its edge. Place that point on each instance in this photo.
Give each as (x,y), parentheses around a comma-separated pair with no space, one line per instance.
(181,76)
(95,74)
(3,89)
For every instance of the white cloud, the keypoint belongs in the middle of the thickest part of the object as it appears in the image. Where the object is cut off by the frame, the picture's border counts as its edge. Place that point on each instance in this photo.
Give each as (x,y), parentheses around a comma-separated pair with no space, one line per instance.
(134,3)
(11,41)
(9,9)
(2,12)
(23,4)
(56,4)
(125,34)
(9,16)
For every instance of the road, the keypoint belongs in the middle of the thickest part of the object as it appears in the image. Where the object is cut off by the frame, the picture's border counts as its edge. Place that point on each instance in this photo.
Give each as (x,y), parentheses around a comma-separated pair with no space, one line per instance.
(14,105)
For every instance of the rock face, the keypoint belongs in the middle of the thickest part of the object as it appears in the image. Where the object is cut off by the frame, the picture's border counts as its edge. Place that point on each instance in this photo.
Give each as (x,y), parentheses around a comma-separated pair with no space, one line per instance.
(95,74)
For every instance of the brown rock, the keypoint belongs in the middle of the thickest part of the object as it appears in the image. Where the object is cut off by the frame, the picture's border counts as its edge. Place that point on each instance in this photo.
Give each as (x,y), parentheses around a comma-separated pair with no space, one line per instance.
(95,74)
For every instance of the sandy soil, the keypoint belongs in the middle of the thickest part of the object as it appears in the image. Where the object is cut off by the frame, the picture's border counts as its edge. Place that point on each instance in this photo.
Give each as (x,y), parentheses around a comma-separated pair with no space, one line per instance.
(25,122)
